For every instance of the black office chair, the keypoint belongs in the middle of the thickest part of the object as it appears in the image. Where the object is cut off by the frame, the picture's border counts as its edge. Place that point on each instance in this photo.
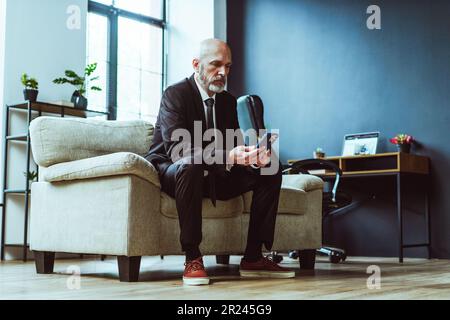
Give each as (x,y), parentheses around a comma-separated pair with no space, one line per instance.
(333,202)
(251,115)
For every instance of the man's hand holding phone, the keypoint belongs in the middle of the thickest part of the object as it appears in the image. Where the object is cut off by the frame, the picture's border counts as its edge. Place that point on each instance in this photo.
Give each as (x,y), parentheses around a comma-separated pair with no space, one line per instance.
(258,155)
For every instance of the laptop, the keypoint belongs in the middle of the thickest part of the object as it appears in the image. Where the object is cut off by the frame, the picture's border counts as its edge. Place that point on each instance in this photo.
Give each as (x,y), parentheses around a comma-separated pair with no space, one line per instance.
(360,144)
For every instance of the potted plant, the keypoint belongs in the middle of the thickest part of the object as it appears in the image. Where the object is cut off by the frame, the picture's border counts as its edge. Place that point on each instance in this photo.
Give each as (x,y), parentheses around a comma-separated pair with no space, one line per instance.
(403,142)
(318,153)
(31,85)
(80,83)
(31,177)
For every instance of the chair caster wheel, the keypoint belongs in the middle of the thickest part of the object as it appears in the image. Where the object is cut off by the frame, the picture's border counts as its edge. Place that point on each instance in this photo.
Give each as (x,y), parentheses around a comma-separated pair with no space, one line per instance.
(293,254)
(335,259)
(275,257)
(336,255)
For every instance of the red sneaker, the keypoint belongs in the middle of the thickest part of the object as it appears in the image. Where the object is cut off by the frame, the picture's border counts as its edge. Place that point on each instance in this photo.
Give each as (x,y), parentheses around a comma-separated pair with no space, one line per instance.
(195,273)
(264,268)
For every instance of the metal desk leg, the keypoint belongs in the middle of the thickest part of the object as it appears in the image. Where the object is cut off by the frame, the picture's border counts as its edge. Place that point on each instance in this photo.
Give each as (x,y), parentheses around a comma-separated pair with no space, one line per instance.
(427,214)
(399,218)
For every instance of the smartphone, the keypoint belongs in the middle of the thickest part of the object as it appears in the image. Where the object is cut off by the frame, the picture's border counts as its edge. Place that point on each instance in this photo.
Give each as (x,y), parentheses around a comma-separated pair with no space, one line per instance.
(266,141)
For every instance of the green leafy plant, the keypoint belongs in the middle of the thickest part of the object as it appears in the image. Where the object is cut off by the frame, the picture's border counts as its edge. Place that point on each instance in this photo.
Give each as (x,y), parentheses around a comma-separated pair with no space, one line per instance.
(29,83)
(31,176)
(80,81)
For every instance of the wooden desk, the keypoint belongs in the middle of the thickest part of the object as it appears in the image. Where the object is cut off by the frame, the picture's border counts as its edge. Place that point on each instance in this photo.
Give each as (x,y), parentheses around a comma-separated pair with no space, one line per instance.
(387,164)
(394,162)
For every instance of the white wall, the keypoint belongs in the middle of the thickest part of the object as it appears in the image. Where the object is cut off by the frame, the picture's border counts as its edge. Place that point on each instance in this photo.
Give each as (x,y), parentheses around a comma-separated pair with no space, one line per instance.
(38,42)
(190,22)
(2,64)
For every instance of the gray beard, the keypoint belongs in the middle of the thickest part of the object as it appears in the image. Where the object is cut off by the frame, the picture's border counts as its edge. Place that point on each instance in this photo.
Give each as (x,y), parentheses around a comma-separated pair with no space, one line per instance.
(212,87)
(216,89)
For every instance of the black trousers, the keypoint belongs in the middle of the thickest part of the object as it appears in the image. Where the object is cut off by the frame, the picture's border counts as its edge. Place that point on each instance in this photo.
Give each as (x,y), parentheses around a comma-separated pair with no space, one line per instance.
(186,183)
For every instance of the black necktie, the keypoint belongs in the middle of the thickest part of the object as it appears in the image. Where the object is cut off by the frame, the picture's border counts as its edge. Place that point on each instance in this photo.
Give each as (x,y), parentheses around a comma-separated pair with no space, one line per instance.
(210,125)
(209,113)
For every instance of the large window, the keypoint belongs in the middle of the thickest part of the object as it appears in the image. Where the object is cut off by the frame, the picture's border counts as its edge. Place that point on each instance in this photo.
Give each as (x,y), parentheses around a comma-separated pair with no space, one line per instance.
(126,40)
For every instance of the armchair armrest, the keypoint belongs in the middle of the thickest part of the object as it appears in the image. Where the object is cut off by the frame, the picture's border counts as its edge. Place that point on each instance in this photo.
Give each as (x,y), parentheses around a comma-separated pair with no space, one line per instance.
(56,140)
(303,182)
(121,163)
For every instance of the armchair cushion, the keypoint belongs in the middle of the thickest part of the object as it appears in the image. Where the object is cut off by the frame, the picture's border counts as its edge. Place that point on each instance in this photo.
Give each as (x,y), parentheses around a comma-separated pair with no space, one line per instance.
(56,140)
(120,163)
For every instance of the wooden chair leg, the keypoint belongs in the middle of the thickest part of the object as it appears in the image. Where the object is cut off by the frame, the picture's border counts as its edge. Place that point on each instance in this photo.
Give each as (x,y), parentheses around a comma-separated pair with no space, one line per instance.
(44,261)
(129,268)
(223,259)
(307,259)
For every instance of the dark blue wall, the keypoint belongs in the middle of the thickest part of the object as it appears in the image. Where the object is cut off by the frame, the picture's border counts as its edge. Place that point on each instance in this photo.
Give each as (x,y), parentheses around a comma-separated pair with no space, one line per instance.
(322,74)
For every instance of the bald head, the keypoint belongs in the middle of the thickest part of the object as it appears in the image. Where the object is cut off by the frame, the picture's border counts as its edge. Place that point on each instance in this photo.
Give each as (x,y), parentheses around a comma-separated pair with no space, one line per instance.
(212,64)
(209,47)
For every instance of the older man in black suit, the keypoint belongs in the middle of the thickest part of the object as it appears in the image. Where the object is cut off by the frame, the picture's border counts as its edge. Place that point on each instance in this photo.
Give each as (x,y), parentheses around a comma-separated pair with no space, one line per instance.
(201,100)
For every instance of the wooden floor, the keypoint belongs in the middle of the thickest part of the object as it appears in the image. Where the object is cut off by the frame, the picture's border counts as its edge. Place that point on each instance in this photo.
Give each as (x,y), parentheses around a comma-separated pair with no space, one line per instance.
(161,279)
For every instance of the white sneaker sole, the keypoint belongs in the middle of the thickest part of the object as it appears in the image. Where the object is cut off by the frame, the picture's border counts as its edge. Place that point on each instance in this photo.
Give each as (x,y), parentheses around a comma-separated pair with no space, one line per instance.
(267,274)
(195,281)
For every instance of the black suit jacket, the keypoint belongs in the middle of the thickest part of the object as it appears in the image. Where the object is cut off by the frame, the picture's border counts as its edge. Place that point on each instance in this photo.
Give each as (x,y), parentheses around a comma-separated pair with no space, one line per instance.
(181,105)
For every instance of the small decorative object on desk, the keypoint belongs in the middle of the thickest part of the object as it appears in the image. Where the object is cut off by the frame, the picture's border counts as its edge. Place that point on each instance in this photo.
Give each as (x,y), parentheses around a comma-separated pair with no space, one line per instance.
(80,83)
(318,153)
(403,142)
(31,85)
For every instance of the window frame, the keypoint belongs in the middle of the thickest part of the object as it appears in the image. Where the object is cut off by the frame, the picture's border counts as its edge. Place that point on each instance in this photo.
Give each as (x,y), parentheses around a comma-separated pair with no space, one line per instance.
(112,14)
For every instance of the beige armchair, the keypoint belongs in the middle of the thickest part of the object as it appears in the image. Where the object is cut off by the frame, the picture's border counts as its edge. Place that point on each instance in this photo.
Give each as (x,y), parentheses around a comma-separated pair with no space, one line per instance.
(97,195)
